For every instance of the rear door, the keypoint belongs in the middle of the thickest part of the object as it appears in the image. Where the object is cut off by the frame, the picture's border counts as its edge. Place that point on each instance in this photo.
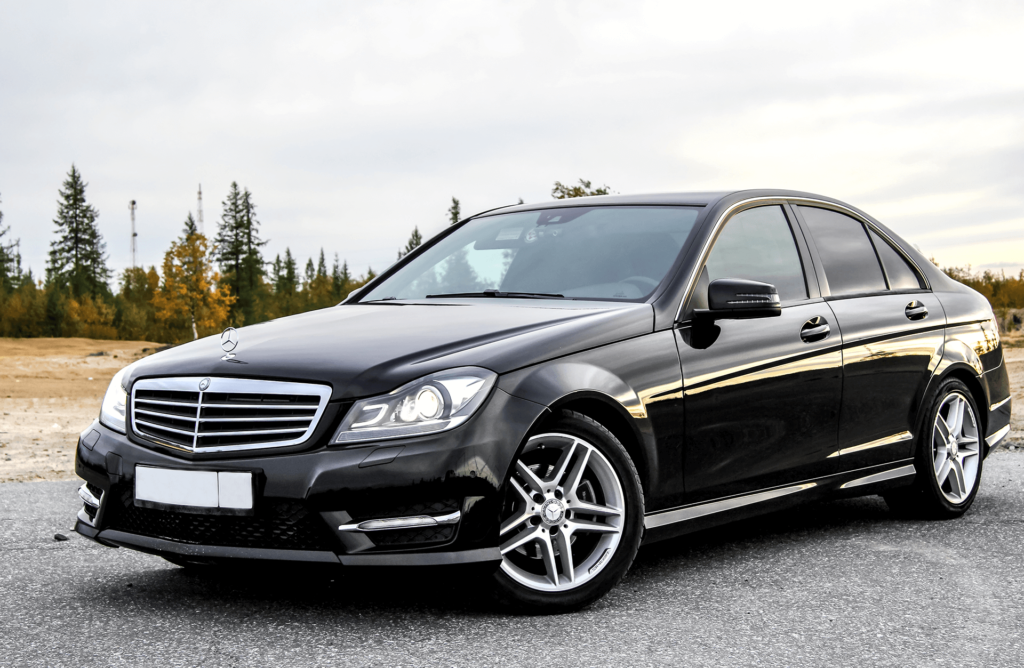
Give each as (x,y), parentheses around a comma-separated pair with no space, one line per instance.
(892,334)
(761,397)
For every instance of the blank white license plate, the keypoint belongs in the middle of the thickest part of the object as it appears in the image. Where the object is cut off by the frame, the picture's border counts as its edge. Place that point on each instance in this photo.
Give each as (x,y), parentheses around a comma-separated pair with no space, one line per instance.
(194,489)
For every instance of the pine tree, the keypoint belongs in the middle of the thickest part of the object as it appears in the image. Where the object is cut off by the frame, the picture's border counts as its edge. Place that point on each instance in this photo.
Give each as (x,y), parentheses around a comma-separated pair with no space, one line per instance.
(10,260)
(78,260)
(415,239)
(238,247)
(321,266)
(190,225)
(454,212)
(561,191)
(341,278)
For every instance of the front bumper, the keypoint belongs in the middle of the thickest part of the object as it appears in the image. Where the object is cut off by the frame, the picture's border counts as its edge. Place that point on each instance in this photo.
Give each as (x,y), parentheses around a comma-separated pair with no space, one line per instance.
(302,499)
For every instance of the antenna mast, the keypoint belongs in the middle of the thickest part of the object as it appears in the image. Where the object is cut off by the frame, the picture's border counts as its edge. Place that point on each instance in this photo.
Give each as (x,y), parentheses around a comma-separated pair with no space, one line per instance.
(199,210)
(132,207)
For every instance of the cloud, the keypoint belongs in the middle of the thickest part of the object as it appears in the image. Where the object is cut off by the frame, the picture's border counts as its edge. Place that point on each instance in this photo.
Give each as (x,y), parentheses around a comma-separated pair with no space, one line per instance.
(352,123)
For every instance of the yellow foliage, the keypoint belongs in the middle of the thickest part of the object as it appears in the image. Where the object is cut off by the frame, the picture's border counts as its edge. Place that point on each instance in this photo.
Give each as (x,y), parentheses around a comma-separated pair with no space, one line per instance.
(190,298)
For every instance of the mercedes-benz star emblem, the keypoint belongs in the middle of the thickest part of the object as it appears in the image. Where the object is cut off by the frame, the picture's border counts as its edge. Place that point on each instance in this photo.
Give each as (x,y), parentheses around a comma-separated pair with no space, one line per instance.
(229,339)
(203,384)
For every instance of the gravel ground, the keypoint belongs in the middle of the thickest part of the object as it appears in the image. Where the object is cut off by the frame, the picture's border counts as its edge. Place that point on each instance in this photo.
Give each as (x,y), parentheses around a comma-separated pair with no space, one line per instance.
(840,583)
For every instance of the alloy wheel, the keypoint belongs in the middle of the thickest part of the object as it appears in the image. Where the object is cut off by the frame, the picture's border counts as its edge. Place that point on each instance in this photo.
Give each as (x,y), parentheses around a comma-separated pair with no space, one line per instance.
(563,516)
(956,448)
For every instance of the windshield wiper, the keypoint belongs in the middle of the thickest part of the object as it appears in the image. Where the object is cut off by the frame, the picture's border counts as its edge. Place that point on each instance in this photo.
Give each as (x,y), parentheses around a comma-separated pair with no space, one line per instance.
(495,293)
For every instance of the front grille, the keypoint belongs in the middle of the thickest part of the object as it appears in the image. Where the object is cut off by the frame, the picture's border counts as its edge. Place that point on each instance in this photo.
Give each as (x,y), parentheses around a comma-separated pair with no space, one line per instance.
(227,414)
(278,524)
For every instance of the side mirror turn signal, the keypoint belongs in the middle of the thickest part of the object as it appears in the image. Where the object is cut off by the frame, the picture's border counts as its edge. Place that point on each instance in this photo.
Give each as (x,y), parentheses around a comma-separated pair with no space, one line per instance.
(737,298)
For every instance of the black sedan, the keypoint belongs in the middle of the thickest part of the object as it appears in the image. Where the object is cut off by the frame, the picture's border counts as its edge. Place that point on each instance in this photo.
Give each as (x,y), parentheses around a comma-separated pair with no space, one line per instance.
(541,389)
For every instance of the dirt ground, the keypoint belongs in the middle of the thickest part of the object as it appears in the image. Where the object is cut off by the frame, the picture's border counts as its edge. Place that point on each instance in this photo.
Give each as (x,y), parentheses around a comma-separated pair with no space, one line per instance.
(50,390)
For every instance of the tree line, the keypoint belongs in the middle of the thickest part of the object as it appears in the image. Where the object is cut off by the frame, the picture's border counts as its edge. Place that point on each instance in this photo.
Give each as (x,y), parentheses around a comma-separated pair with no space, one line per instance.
(204,285)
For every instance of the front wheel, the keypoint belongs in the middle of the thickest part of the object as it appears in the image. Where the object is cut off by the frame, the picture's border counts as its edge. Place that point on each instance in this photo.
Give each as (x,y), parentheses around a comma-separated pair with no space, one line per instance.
(572,518)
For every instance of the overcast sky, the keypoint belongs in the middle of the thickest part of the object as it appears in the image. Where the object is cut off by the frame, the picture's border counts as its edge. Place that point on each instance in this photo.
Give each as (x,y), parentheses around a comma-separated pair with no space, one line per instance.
(353,122)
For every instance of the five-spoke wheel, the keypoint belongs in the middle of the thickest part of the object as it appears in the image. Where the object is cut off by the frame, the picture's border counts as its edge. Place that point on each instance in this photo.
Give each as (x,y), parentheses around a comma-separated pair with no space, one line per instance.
(572,516)
(567,518)
(948,458)
(956,448)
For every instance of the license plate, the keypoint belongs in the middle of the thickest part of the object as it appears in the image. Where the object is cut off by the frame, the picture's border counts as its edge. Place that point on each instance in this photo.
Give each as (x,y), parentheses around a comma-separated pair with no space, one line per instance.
(230,490)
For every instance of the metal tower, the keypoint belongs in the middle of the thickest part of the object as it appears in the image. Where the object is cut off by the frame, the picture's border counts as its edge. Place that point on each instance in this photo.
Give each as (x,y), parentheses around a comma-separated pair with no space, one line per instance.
(199,210)
(132,207)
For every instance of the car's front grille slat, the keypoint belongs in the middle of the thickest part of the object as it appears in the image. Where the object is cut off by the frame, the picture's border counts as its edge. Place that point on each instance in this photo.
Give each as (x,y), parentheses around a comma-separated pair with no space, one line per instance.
(228,414)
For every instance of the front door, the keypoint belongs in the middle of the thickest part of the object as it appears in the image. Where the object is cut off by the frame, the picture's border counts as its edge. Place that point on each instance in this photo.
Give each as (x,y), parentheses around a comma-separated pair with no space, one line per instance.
(761,397)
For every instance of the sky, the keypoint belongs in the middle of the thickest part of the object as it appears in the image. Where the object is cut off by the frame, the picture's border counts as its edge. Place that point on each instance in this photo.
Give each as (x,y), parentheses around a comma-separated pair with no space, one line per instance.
(353,122)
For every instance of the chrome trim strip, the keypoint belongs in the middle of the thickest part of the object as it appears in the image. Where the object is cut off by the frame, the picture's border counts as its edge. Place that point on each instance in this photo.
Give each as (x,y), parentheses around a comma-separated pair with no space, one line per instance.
(994,439)
(997,405)
(900,472)
(220,385)
(702,509)
(87,496)
(888,440)
(413,522)
(779,199)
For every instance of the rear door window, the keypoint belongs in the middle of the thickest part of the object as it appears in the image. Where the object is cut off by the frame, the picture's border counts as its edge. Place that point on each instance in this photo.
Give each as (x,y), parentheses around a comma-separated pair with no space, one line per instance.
(851,265)
(901,275)
(757,245)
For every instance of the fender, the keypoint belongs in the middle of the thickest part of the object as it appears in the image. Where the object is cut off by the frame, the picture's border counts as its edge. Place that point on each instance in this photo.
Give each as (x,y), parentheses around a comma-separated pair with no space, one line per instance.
(641,381)
(958,356)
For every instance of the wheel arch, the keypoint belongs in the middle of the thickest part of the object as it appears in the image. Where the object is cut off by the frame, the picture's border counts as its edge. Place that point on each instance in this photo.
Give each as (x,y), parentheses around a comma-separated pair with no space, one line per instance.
(966,374)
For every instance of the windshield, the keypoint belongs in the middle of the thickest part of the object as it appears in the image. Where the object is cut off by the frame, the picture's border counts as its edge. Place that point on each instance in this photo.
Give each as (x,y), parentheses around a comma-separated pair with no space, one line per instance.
(604,253)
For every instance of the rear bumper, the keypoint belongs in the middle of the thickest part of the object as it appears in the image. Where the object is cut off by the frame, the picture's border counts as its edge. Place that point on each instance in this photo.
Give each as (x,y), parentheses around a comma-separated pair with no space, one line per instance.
(303,498)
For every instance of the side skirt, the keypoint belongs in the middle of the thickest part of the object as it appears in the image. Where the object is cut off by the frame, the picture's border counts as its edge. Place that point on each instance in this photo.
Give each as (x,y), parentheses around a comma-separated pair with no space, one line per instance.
(673,522)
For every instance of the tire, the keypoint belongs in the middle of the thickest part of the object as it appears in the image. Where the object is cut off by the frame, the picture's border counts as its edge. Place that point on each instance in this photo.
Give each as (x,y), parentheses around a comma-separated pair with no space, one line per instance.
(941,489)
(571,465)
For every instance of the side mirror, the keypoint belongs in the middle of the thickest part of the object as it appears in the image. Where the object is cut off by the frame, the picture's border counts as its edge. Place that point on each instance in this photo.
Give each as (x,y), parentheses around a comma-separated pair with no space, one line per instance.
(736,298)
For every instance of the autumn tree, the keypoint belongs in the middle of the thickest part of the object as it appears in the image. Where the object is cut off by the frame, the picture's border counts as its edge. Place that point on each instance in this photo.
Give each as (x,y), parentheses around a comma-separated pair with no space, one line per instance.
(78,261)
(584,189)
(191,292)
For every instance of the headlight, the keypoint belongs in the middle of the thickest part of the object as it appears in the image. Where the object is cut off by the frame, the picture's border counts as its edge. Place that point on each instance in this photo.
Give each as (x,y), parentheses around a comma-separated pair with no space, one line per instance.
(439,402)
(114,402)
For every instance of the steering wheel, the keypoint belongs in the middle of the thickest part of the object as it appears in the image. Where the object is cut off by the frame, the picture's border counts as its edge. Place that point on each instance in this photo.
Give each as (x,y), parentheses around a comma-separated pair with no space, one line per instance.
(640,279)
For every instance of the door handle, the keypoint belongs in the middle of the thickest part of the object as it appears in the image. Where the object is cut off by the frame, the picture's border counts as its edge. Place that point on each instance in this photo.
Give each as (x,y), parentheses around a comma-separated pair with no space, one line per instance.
(916,311)
(815,329)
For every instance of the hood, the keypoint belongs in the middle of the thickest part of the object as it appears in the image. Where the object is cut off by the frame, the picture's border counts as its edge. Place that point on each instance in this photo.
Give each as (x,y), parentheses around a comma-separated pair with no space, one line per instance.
(367,349)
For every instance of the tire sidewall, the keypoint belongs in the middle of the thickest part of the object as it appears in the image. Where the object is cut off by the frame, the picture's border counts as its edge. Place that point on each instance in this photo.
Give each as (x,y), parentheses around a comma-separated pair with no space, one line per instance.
(529,600)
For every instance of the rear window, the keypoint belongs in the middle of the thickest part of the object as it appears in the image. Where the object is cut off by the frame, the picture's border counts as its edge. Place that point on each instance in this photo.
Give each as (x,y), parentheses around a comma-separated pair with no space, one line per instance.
(851,265)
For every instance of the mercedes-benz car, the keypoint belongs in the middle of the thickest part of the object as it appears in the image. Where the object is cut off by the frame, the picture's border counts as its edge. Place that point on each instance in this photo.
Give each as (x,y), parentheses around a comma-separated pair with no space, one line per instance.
(541,389)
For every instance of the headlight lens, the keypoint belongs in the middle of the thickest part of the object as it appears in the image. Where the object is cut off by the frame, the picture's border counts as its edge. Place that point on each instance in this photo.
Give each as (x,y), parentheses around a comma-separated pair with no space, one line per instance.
(114,402)
(439,402)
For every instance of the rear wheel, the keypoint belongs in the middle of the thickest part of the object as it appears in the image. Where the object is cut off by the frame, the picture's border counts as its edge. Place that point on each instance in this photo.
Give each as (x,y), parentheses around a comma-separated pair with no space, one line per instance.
(572,517)
(948,459)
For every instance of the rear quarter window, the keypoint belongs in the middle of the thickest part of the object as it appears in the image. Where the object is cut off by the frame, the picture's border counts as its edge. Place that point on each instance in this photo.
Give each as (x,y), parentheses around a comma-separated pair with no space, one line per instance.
(901,275)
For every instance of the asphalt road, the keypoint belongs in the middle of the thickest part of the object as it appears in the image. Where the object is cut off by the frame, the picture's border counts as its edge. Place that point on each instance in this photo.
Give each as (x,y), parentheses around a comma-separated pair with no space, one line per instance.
(841,583)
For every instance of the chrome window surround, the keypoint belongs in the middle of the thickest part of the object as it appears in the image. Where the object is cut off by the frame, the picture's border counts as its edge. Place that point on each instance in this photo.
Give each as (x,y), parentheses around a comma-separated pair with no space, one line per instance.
(239,385)
(705,250)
